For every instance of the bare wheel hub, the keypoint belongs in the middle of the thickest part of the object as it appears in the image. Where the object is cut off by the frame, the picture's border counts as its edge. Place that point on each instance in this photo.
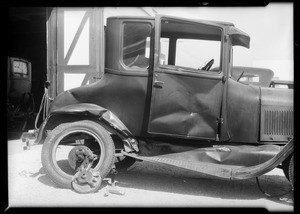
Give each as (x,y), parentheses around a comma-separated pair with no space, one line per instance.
(80,156)
(86,180)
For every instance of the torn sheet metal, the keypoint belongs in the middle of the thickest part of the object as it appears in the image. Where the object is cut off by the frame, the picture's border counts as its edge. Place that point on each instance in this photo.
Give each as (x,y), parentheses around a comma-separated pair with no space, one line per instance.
(243,155)
(221,170)
(257,170)
(104,115)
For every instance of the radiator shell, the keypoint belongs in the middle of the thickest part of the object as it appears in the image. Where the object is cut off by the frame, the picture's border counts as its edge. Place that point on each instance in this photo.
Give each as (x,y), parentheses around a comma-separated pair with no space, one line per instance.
(277,115)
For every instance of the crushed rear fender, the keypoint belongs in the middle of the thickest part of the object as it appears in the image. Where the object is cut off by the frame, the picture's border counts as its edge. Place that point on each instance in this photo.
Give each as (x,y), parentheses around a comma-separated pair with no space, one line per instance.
(106,117)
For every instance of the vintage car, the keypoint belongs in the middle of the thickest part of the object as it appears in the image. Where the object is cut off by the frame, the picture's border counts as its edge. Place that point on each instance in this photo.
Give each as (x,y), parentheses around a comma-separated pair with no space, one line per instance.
(255,76)
(160,100)
(282,84)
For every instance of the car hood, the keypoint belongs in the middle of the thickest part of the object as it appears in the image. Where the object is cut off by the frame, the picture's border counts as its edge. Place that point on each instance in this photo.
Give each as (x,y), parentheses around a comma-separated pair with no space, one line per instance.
(277,97)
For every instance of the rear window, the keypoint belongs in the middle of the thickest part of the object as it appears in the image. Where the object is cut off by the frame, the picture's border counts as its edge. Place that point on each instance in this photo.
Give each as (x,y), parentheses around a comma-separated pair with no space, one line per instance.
(136,44)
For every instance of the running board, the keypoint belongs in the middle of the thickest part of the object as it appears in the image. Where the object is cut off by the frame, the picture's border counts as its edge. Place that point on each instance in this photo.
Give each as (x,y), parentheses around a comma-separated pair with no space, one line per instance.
(231,172)
(258,170)
(222,171)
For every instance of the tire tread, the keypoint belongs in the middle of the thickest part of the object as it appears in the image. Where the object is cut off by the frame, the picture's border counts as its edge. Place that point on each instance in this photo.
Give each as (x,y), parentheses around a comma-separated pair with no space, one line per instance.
(50,140)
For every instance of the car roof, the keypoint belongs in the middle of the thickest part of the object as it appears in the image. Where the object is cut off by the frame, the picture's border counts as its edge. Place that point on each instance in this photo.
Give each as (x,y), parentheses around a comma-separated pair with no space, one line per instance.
(153,18)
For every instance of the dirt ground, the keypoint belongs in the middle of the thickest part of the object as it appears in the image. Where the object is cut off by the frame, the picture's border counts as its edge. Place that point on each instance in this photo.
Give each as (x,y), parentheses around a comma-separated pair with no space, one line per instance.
(145,185)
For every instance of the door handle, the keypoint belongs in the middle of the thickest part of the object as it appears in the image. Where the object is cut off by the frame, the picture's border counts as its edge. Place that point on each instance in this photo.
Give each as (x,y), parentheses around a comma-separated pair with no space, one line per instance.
(158,83)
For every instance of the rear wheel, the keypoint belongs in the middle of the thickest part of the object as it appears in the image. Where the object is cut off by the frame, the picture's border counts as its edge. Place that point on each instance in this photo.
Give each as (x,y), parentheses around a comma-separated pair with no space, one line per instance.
(58,150)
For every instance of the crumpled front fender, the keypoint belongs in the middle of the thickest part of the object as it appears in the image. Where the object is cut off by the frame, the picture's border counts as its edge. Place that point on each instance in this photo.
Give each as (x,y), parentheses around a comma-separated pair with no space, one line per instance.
(105,117)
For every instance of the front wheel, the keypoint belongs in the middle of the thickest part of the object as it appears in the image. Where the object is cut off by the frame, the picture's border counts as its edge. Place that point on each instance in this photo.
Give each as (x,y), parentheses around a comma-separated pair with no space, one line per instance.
(60,143)
(288,169)
(291,172)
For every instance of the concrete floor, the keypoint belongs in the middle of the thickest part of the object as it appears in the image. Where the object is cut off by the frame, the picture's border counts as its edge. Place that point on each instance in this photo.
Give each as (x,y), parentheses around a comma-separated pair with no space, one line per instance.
(145,185)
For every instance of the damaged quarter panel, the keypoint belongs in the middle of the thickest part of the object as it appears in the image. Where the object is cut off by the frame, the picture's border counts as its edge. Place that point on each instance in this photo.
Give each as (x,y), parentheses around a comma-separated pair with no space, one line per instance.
(111,122)
(243,112)
(123,95)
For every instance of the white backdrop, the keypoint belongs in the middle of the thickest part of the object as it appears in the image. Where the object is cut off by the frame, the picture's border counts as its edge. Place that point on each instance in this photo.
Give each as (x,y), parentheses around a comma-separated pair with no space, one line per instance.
(270,29)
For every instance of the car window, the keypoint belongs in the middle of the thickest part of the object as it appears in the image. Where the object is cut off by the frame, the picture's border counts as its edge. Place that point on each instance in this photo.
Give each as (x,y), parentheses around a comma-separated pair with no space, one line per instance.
(189,45)
(136,44)
(196,53)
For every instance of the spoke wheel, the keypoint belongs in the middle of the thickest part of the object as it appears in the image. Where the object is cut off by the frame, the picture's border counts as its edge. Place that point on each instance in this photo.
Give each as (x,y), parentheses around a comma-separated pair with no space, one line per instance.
(57,152)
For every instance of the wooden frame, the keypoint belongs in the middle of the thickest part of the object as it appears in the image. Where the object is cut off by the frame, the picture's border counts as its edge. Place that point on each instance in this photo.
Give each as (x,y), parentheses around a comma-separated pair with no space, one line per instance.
(57,63)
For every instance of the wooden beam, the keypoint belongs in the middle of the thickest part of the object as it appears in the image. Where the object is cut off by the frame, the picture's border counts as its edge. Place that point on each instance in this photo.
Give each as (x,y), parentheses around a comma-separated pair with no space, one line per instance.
(52,51)
(76,37)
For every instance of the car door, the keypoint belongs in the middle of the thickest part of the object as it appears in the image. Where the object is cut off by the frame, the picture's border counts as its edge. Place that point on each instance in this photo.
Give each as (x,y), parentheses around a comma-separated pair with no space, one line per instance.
(186,101)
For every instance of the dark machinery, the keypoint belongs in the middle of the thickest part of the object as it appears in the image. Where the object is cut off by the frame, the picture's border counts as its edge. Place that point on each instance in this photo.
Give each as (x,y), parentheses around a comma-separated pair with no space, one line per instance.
(20,101)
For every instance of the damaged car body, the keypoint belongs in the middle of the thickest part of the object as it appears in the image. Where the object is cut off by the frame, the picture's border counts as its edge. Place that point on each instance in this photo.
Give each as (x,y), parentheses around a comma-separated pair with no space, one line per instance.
(168,95)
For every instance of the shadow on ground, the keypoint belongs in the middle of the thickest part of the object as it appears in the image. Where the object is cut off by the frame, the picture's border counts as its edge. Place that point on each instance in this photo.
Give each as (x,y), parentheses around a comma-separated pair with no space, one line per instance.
(43,178)
(152,177)
(168,179)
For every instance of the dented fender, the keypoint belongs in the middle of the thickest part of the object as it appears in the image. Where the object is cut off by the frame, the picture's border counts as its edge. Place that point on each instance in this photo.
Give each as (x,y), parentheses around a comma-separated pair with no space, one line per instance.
(110,121)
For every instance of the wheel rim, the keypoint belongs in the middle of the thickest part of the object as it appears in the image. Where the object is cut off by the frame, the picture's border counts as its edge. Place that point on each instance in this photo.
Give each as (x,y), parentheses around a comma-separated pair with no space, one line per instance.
(56,147)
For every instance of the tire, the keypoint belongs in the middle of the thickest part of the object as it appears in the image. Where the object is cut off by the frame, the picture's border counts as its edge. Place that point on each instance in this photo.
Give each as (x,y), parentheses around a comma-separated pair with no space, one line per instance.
(106,145)
(291,172)
(285,167)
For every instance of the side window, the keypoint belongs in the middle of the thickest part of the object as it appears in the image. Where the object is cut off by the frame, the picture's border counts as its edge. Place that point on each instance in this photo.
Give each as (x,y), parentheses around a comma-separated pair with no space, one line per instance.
(136,44)
(191,46)
(196,53)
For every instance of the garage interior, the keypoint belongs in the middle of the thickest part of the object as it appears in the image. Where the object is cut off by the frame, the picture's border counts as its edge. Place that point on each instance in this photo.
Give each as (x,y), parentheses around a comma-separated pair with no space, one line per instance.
(27,40)
(65,47)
